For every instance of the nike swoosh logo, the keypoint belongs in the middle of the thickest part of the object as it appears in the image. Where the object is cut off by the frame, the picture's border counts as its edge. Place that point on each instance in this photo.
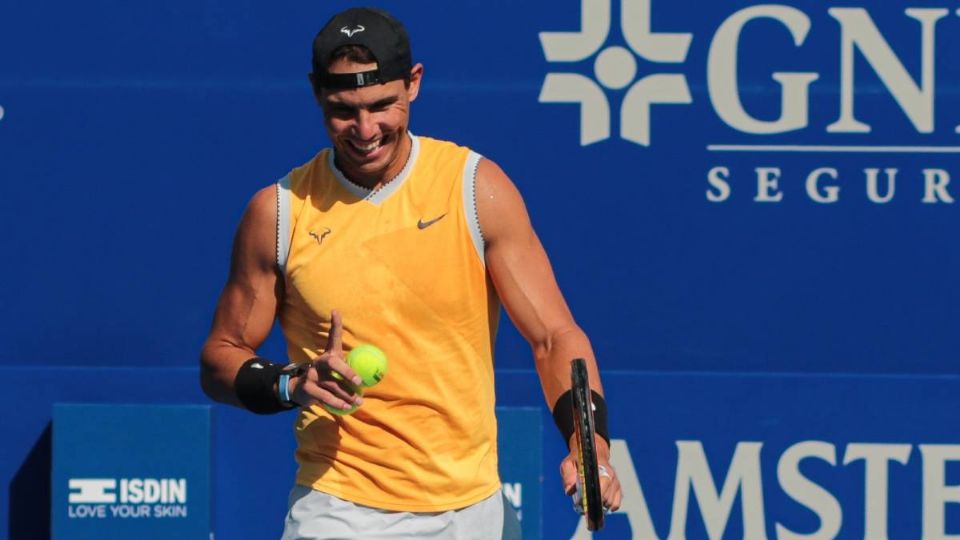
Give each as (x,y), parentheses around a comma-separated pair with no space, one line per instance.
(421,224)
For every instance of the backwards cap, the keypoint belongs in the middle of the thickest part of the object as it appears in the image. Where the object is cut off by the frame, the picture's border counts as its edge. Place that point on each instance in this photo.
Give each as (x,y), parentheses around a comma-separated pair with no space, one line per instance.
(374,29)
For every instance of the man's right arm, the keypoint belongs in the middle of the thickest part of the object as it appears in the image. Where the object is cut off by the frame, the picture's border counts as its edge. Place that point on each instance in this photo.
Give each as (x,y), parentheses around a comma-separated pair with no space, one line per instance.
(248,303)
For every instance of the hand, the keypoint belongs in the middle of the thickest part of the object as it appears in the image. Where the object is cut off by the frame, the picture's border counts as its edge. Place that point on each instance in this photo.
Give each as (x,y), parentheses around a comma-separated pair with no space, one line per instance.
(318,385)
(609,483)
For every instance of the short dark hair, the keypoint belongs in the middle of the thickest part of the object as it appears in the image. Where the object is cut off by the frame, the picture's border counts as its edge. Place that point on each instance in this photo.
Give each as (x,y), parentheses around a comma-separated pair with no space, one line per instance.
(352,53)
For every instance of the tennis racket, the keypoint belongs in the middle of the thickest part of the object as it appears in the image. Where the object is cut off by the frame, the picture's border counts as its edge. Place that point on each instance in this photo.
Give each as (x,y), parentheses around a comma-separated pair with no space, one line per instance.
(587,498)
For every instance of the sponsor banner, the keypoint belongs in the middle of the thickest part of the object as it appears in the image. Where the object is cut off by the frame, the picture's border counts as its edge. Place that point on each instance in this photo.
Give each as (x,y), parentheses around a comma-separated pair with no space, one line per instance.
(778,457)
(779,180)
(698,455)
(131,471)
(520,444)
(827,73)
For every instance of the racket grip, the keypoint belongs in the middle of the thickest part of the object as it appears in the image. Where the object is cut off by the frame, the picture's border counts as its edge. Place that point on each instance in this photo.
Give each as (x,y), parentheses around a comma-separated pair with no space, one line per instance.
(577,499)
(577,496)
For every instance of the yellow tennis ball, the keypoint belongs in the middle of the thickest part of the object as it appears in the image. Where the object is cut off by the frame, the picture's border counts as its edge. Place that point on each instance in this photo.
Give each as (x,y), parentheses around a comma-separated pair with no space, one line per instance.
(348,385)
(340,412)
(369,362)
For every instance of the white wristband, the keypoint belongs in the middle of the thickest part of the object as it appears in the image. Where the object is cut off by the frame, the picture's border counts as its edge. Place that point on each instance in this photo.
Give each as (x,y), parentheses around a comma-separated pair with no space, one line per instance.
(283,388)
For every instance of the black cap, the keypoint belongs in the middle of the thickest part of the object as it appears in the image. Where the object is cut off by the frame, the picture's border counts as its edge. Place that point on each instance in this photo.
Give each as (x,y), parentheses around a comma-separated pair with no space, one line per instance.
(374,29)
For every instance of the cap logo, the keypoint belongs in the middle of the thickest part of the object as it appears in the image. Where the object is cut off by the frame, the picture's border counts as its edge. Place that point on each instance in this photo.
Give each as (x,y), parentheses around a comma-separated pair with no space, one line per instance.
(351,31)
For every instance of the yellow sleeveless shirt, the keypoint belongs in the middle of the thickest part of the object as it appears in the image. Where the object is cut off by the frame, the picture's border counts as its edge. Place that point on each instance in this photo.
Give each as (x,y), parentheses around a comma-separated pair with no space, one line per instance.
(404,267)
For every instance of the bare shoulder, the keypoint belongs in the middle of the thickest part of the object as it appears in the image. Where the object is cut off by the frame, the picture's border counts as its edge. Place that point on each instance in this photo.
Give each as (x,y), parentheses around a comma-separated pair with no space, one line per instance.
(263,205)
(500,206)
(256,239)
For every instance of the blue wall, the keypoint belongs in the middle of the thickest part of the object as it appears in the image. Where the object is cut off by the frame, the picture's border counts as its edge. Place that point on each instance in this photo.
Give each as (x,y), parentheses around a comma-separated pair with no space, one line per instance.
(132,135)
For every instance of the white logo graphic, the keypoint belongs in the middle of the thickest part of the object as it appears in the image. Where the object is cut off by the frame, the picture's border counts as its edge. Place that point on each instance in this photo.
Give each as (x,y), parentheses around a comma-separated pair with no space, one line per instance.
(351,31)
(695,480)
(127,498)
(615,68)
(92,490)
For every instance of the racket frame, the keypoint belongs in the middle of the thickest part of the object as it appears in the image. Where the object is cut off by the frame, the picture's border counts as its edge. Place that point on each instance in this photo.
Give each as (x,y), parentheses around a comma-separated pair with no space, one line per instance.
(588,468)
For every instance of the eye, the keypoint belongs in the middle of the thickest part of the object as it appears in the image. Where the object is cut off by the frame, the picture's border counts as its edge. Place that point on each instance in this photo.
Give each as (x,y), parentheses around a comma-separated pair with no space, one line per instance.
(340,111)
(382,105)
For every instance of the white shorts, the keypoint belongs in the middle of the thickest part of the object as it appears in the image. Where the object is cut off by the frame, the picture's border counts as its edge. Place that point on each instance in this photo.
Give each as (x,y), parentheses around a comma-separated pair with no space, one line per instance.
(315,515)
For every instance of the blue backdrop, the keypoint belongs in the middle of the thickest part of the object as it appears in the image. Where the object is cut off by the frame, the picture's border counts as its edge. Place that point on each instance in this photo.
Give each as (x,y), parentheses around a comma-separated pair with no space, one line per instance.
(725,189)
(133,135)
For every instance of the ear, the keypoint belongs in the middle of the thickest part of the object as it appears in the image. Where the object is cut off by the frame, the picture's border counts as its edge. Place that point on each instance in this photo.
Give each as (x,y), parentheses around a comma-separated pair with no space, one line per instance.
(416,75)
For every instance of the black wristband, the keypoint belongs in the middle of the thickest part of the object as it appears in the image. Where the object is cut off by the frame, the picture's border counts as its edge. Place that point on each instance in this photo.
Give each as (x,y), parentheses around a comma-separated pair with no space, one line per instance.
(254,386)
(563,416)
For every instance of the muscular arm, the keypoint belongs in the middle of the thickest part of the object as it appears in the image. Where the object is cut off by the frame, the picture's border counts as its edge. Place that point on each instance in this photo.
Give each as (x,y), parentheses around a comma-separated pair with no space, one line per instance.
(248,303)
(523,277)
(521,273)
(245,314)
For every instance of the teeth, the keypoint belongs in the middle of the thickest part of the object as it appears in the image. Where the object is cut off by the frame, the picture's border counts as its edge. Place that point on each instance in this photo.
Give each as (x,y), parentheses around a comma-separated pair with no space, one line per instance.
(367,147)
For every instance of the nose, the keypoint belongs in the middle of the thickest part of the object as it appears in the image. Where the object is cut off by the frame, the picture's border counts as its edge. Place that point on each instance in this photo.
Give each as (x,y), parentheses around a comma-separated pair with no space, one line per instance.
(365,127)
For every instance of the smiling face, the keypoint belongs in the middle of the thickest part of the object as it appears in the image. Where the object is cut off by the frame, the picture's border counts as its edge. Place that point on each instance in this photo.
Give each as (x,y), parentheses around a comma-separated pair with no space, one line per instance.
(368,125)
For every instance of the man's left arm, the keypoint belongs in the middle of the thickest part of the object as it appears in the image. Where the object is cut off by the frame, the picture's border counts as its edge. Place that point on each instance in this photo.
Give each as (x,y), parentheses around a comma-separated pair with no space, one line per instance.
(521,272)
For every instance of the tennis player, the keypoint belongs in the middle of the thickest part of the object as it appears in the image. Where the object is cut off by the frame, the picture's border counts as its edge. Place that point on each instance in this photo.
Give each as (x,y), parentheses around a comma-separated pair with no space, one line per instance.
(412,244)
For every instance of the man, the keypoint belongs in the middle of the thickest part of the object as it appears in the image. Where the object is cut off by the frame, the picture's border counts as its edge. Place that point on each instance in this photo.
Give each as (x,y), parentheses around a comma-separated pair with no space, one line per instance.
(411,244)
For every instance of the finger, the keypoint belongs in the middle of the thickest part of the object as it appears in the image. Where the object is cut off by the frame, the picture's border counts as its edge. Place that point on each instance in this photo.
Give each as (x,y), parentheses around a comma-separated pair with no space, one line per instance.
(609,486)
(342,391)
(329,401)
(332,359)
(617,499)
(334,397)
(336,364)
(611,494)
(612,500)
(313,385)
(568,475)
(334,338)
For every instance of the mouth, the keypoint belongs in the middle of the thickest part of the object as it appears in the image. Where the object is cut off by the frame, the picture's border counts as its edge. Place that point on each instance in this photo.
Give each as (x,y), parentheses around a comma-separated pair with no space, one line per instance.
(367,149)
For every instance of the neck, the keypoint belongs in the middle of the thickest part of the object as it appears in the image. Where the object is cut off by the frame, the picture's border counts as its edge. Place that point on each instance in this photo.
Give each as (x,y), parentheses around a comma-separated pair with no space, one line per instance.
(376,182)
